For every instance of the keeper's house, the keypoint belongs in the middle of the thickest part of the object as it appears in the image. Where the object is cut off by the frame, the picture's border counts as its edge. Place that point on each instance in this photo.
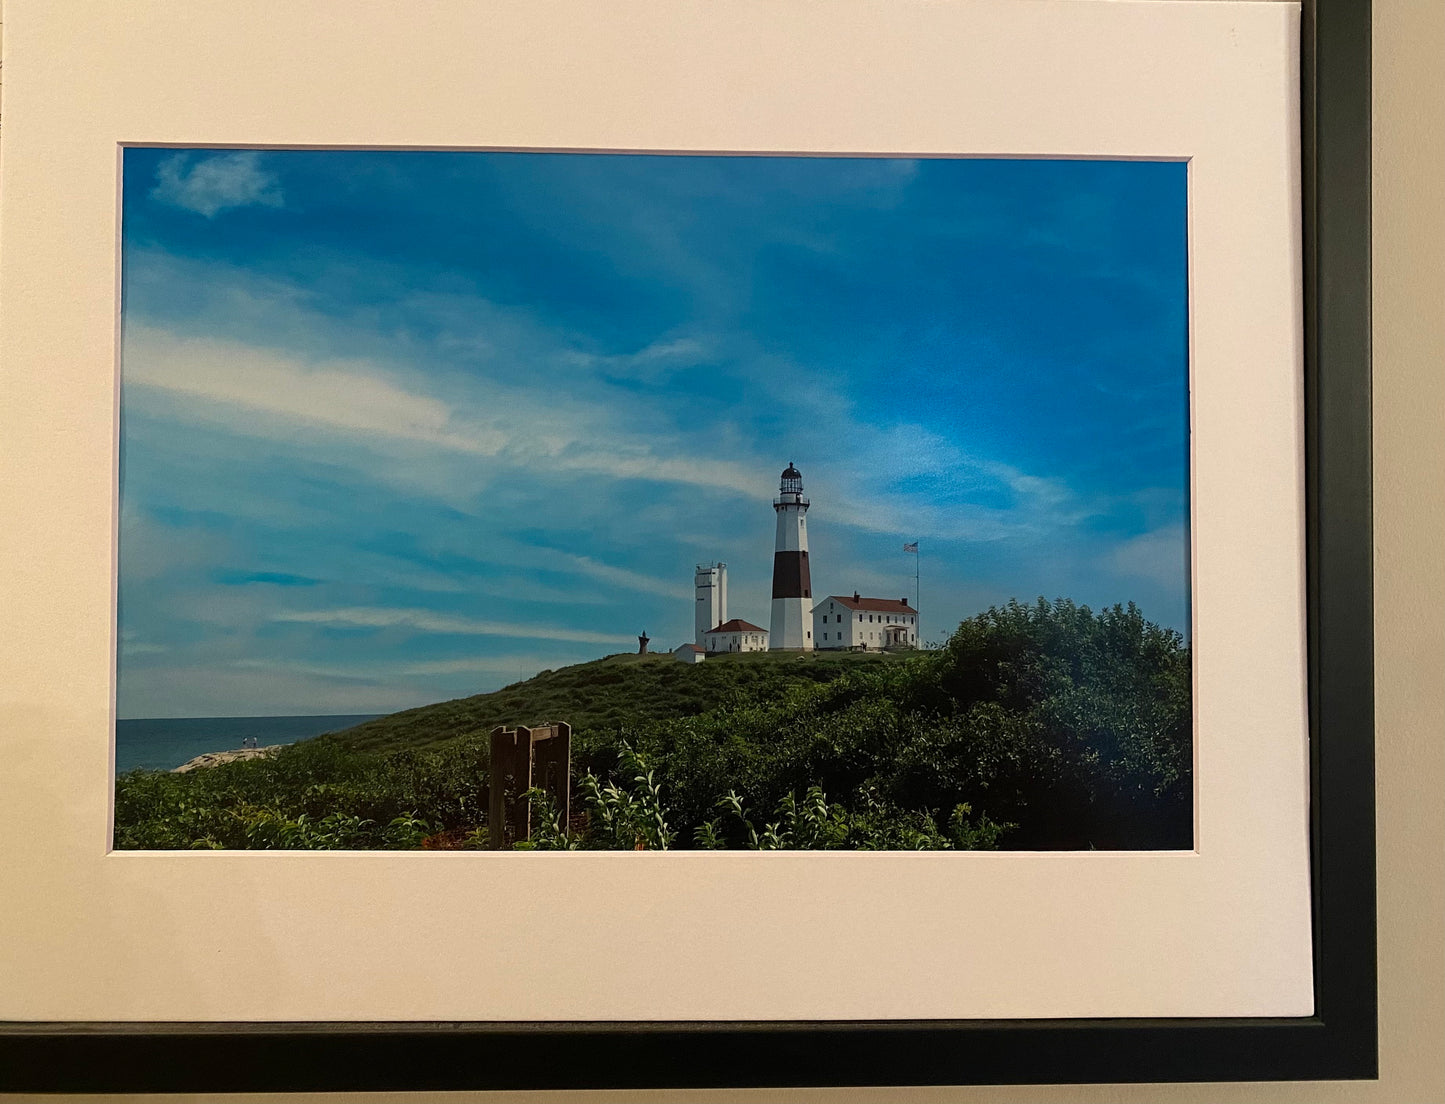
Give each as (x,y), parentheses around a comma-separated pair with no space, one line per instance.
(864,623)
(735,636)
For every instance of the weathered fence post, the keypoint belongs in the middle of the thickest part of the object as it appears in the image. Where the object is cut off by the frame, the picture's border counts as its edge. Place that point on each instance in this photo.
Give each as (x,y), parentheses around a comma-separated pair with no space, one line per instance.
(522,759)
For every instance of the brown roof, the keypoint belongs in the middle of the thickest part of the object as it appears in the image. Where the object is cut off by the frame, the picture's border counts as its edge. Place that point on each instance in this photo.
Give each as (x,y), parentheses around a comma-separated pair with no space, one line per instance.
(688,648)
(736,625)
(872,605)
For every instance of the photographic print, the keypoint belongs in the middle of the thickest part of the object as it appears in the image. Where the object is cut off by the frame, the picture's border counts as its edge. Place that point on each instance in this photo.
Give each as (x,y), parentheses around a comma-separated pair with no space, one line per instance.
(559,501)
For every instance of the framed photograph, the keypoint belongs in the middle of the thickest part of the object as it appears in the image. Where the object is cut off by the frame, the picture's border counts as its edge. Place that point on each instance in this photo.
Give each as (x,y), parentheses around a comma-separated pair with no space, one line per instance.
(496,515)
(554,547)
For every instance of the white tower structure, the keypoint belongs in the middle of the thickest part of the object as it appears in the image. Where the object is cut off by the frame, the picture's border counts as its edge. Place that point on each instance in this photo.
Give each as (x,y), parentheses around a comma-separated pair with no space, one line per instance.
(791,627)
(711,583)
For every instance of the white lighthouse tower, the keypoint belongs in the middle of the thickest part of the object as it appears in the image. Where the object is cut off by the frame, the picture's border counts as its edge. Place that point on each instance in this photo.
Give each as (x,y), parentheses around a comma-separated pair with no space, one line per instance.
(791,627)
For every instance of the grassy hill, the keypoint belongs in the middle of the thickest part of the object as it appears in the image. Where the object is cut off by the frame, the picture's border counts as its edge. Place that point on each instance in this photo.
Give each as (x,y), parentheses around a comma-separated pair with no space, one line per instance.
(605,693)
(1036,727)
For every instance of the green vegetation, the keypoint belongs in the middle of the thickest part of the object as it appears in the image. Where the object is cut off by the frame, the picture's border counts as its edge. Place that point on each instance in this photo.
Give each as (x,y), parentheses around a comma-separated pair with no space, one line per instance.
(1036,726)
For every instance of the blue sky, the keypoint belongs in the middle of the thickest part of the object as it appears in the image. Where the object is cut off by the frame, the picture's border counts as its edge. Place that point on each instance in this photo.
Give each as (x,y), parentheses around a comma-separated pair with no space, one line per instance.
(402,427)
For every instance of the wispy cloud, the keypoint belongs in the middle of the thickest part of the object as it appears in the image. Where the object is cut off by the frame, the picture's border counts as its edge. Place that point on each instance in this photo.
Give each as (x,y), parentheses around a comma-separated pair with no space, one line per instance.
(227,689)
(139,648)
(374,673)
(625,578)
(372,405)
(369,403)
(210,185)
(273,578)
(1161,556)
(352,398)
(657,361)
(328,672)
(429,622)
(524,666)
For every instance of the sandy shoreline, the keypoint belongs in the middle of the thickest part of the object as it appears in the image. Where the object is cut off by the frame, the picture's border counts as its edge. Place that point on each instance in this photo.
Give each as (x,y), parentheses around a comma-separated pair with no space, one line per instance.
(216,758)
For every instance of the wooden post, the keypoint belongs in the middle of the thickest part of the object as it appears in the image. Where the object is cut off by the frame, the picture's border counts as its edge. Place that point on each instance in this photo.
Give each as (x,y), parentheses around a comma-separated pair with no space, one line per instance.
(508,775)
(523,758)
(552,766)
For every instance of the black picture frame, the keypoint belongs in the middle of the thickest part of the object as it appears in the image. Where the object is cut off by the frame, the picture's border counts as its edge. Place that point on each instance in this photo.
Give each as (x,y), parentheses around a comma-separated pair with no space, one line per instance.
(1337,1042)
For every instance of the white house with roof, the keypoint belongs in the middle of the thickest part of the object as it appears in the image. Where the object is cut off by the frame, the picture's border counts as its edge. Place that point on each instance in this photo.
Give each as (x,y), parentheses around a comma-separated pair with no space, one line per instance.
(689,653)
(736,635)
(865,623)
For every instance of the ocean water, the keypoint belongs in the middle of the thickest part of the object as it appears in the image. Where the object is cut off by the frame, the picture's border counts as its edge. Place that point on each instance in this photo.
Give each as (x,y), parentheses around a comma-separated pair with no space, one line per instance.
(168,742)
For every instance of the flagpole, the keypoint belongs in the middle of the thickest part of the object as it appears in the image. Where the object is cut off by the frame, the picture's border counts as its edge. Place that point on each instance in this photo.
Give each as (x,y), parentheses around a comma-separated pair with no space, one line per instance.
(911,547)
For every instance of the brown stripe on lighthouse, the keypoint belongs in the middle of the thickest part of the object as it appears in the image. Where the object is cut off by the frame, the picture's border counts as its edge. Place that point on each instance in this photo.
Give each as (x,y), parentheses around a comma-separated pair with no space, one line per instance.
(790,575)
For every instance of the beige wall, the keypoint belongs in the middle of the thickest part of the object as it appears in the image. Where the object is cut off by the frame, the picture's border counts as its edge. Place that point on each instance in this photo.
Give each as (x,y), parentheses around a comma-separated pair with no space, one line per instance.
(1409,282)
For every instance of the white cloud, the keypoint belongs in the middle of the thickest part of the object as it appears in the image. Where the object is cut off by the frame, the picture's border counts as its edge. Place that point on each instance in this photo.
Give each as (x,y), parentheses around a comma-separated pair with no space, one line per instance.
(249,686)
(571,425)
(150,552)
(523,666)
(653,363)
(228,690)
(670,467)
(129,649)
(379,673)
(427,621)
(545,432)
(1159,556)
(629,580)
(213,184)
(315,670)
(346,396)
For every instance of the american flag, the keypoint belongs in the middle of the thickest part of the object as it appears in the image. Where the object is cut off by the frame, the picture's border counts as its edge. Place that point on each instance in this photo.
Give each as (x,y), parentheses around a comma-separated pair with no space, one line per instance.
(911,547)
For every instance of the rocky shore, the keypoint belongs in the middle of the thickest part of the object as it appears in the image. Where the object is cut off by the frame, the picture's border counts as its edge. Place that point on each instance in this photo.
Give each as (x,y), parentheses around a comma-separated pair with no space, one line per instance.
(216,758)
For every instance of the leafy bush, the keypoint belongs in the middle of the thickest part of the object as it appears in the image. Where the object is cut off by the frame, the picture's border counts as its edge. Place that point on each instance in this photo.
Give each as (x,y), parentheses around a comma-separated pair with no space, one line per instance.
(311,795)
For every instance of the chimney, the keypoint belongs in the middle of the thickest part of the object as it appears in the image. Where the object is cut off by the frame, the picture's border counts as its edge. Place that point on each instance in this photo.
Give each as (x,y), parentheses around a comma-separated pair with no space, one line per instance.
(855,596)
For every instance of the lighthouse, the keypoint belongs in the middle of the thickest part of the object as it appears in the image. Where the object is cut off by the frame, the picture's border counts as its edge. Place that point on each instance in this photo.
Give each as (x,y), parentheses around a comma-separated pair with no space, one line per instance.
(791,627)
